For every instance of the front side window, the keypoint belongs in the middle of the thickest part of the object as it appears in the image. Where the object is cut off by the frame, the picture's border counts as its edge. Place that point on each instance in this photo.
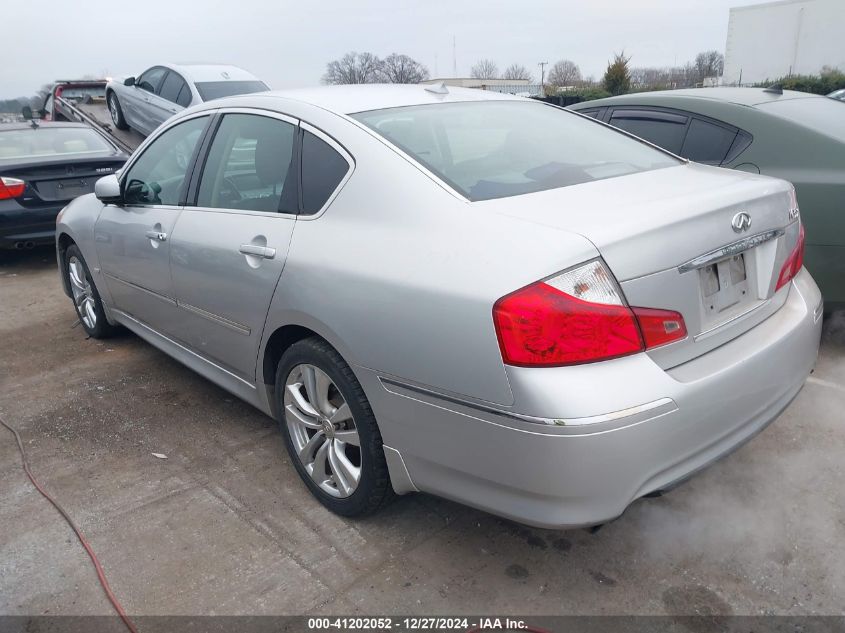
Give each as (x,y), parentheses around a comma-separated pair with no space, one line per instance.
(151,79)
(663,129)
(495,149)
(157,176)
(250,166)
(323,169)
(592,112)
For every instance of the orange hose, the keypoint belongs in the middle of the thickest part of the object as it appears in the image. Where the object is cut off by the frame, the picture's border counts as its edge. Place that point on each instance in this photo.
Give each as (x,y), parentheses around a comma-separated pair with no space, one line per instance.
(100,573)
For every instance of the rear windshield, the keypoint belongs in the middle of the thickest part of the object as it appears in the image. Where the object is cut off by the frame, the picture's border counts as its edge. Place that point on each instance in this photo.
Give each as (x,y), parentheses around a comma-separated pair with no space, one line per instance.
(495,149)
(47,141)
(82,93)
(821,114)
(215,89)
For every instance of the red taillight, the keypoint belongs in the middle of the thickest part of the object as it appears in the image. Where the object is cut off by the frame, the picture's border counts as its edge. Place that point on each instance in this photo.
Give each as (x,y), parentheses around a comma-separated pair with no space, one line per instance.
(793,263)
(11,187)
(577,317)
(660,327)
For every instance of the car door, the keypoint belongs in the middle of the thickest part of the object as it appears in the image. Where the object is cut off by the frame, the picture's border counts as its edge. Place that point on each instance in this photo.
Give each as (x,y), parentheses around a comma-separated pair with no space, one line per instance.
(164,105)
(230,247)
(133,239)
(142,114)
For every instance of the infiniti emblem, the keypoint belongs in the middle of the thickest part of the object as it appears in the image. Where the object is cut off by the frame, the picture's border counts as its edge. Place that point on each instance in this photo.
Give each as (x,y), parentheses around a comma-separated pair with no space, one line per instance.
(741,222)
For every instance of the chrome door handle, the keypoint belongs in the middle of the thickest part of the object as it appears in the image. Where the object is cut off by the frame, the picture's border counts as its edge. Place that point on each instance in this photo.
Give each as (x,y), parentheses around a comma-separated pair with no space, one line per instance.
(156,235)
(264,252)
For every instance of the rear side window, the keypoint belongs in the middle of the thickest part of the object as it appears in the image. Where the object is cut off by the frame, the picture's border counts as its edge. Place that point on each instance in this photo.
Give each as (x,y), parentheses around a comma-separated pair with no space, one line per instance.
(500,148)
(707,142)
(250,166)
(171,87)
(185,96)
(663,129)
(323,169)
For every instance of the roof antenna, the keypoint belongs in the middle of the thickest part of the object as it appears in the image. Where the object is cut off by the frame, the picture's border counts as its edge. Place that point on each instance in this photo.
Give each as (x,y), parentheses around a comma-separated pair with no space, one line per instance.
(438,89)
(775,89)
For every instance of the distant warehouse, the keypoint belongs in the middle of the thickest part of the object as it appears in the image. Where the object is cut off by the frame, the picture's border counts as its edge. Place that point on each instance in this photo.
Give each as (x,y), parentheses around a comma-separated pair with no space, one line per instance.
(790,37)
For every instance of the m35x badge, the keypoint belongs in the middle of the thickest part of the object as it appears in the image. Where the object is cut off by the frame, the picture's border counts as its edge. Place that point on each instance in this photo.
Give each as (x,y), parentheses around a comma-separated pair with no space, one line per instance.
(741,222)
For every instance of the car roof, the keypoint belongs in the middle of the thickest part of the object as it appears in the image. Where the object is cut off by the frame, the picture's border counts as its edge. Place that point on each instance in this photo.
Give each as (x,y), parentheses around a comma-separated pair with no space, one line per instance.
(211,72)
(739,96)
(26,125)
(350,99)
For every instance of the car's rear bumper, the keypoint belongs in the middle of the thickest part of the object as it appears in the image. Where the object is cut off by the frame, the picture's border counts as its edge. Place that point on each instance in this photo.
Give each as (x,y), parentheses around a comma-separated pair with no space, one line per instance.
(22,227)
(590,469)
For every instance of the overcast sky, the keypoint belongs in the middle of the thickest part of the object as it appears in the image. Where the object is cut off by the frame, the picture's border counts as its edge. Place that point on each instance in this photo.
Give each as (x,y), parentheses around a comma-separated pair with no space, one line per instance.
(289,43)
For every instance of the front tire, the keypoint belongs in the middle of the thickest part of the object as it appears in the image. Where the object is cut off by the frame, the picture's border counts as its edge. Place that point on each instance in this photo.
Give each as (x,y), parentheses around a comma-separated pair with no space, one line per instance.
(86,299)
(117,112)
(330,431)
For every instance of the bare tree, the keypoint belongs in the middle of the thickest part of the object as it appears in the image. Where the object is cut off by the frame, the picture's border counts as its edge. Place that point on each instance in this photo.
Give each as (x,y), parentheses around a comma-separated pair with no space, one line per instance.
(709,64)
(564,73)
(353,68)
(401,69)
(485,69)
(517,71)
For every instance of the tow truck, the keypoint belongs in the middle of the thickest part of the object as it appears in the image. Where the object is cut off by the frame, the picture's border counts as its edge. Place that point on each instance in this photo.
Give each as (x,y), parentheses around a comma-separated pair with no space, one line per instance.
(84,101)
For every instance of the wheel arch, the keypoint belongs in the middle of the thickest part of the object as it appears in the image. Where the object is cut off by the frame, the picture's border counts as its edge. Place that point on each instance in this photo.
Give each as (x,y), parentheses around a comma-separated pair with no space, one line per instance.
(63,242)
(280,338)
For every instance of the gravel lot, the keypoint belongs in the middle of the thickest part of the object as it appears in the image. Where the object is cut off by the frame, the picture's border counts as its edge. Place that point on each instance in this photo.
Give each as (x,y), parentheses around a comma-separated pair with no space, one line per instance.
(224,526)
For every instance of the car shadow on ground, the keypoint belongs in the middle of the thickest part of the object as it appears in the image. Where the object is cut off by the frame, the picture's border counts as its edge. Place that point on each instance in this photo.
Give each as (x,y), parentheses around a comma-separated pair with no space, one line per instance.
(27,260)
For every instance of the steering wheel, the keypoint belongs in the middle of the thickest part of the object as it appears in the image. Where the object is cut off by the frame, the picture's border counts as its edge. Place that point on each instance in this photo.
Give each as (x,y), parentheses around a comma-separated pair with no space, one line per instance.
(233,194)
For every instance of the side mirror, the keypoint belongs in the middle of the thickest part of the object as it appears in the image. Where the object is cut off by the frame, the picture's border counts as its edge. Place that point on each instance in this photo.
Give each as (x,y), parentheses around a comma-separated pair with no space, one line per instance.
(129,81)
(26,111)
(107,190)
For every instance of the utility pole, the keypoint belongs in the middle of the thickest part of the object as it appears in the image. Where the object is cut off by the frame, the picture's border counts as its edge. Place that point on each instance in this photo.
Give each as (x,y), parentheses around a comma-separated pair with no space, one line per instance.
(454,57)
(542,66)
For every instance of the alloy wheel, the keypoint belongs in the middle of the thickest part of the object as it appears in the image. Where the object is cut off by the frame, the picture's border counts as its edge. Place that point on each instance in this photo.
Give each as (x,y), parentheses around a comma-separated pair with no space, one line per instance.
(322,430)
(83,293)
(113,109)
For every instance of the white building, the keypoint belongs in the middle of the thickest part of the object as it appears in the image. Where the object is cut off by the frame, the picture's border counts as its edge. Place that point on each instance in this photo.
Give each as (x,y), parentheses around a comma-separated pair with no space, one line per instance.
(775,39)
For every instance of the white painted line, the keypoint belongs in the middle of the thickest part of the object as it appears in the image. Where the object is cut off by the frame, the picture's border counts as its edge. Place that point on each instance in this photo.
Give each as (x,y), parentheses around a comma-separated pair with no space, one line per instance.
(825,383)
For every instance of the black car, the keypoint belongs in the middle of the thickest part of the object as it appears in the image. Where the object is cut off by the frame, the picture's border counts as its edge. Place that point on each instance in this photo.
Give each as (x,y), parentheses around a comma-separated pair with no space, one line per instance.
(43,166)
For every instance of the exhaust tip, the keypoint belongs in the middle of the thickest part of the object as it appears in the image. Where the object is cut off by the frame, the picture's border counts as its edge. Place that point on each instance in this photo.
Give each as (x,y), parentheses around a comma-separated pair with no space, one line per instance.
(29,244)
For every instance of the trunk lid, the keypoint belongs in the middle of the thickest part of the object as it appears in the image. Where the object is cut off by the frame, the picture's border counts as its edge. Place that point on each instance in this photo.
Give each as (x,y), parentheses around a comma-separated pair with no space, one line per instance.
(59,181)
(668,237)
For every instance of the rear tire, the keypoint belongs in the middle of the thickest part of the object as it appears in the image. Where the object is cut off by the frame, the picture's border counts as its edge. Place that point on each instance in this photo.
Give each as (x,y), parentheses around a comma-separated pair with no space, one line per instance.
(326,418)
(117,112)
(86,299)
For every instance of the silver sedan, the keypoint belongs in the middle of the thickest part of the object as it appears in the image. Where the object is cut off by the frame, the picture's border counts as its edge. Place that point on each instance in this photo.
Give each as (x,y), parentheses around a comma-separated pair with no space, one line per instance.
(145,102)
(457,292)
